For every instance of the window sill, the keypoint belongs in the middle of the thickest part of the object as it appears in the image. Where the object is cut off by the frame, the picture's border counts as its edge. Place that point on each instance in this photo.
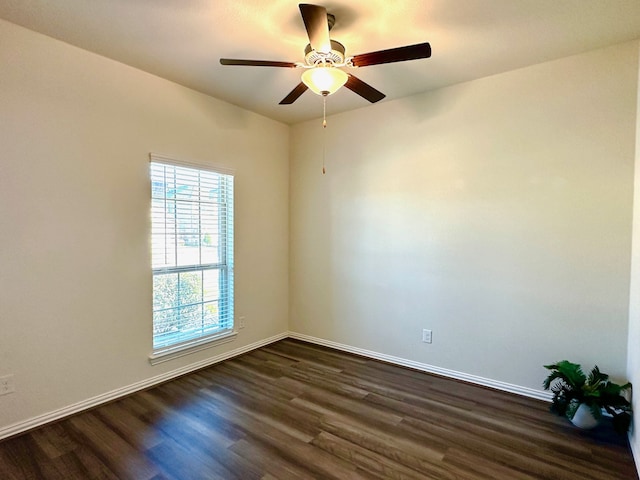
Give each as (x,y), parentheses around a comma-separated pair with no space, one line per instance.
(169,353)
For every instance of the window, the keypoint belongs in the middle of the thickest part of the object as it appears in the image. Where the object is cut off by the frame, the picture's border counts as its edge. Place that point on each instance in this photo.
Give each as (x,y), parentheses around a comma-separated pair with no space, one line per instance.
(192,256)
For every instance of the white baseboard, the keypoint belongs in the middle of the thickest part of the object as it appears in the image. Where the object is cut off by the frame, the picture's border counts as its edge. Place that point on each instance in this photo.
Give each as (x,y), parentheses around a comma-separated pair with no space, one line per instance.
(34,422)
(445,372)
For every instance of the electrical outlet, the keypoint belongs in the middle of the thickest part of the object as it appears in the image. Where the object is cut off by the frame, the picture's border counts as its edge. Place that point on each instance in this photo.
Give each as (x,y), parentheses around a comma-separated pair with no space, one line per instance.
(241,322)
(6,385)
(426,336)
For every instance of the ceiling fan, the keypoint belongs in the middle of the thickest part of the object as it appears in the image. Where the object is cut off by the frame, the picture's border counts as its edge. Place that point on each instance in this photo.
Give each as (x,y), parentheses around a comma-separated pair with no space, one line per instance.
(325,58)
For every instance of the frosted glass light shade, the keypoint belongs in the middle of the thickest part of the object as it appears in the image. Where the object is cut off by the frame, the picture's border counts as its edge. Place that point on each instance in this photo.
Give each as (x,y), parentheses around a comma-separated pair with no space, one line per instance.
(324,80)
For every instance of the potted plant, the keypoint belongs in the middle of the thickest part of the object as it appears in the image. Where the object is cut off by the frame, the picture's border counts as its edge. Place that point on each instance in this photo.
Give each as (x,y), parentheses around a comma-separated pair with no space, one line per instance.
(582,398)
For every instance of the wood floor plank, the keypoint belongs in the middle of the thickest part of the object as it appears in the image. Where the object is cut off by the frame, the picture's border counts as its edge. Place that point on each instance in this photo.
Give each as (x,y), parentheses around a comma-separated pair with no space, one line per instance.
(24,459)
(297,411)
(388,448)
(380,466)
(129,426)
(114,450)
(54,441)
(348,406)
(383,443)
(481,467)
(275,415)
(87,464)
(280,439)
(71,467)
(497,431)
(176,461)
(542,464)
(269,461)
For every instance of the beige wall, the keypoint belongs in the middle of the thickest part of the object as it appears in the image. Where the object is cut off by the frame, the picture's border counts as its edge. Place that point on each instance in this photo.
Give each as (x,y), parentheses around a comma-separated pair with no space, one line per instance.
(75,284)
(633,364)
(496,213)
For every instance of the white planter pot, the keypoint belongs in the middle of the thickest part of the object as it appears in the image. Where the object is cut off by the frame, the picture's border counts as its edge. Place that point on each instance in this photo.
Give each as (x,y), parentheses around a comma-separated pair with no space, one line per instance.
(584,418)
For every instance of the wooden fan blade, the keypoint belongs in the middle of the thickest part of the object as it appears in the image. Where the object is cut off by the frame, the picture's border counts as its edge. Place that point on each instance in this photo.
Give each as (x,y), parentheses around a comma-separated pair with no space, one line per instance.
(400,54)
(294,94)
(363,89)
(256,63)
(315,22)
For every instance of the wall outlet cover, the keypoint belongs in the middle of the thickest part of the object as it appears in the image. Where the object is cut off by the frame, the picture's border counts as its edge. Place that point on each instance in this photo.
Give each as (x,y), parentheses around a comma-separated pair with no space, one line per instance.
(426,336)
(6,385)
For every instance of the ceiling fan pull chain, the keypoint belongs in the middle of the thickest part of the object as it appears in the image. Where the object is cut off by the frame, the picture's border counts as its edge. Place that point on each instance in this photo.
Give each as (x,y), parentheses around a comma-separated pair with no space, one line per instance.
(324,111)
(324,130)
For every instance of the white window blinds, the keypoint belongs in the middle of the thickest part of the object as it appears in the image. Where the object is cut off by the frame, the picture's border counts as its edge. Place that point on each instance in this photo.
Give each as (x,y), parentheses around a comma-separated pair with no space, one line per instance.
(192,253)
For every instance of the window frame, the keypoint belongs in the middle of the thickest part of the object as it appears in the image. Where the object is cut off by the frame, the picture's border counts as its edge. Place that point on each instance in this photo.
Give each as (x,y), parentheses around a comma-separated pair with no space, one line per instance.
(224,265)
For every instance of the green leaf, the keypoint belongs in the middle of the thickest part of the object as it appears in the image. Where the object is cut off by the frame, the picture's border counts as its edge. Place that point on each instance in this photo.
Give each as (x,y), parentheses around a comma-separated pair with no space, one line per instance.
(570,373)
(596,376)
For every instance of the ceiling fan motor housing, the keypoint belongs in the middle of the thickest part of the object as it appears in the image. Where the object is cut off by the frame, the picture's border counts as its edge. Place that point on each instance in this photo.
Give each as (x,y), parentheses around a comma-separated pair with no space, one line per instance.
(336,56)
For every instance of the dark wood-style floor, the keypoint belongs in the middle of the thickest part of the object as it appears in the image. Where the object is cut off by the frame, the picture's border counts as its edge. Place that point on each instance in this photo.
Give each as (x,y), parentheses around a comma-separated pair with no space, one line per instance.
(298,411)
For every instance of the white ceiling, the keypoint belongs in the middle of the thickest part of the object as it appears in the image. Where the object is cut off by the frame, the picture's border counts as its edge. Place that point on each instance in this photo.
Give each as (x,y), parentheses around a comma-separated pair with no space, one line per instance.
(182,40)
